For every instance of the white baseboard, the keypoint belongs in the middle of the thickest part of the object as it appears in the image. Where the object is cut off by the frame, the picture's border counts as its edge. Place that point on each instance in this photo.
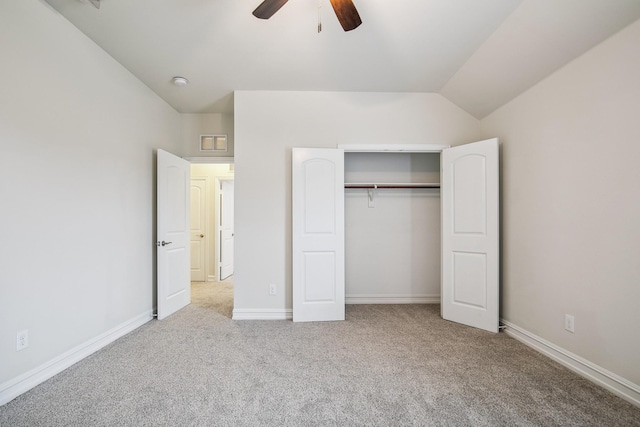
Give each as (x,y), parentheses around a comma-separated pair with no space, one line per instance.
(391,299)
(262,314)
(597,374)
(25,382)
(287,314)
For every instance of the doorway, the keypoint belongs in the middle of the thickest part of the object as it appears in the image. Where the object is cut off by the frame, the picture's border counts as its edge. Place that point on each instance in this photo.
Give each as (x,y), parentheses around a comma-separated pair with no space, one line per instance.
(211,229)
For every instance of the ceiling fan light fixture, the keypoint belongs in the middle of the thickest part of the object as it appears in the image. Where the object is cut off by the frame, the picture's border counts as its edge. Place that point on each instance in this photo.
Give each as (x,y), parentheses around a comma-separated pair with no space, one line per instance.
(345,10)
(179,81)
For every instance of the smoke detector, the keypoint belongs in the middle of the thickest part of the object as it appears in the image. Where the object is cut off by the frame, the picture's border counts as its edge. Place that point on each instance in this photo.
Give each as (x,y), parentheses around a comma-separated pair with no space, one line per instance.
(179,81)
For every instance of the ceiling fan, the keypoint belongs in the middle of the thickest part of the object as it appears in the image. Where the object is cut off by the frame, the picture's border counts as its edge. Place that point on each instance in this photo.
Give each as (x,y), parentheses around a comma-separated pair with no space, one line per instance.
(345,11)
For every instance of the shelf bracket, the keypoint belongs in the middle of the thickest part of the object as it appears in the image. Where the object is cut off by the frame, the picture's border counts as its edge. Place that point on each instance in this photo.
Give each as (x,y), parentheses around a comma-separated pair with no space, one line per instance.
(371,192)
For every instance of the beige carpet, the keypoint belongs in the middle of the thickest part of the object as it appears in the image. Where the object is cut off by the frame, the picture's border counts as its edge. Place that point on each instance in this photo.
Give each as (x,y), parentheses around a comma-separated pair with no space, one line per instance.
(216,296)
(386,365)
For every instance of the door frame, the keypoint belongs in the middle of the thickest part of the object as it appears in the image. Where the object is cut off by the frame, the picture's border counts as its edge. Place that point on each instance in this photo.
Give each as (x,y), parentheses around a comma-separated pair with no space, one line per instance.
(214,161)
(187,261)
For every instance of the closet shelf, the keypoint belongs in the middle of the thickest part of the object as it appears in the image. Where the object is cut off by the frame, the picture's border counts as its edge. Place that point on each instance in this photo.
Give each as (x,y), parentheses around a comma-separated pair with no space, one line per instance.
(392,185)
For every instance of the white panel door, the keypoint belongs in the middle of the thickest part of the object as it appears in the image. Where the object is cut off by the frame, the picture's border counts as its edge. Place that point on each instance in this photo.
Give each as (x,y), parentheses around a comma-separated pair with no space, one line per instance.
(470,234)
(198,200)
(226,231)
(318,234)
(174,287)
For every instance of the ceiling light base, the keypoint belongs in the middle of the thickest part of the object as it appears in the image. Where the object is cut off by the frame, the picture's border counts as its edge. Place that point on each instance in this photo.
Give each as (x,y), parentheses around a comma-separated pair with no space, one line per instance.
(180,81)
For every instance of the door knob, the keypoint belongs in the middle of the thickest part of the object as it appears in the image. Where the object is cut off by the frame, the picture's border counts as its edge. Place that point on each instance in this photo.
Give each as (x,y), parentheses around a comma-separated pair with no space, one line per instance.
(165,243)
(202,235)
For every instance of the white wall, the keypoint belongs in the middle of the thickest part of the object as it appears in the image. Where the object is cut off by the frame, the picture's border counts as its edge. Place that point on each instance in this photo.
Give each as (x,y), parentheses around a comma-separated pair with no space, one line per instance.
(194,125)
(268,124)
(77,136)
(571,205)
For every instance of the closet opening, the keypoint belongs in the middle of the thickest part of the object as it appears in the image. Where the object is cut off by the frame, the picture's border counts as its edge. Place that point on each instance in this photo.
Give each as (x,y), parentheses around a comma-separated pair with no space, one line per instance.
(392,227)
(400,240)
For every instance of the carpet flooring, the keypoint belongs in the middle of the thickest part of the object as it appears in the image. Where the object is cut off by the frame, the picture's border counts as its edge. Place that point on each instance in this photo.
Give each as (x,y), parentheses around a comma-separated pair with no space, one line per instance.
(386,365)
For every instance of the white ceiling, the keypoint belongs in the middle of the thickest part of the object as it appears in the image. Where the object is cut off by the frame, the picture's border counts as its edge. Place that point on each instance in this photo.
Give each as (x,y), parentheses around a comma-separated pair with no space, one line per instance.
(478,53)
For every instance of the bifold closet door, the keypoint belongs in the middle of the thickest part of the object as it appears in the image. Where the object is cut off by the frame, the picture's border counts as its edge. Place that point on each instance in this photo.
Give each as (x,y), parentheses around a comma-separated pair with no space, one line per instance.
(470,233)
(318,234)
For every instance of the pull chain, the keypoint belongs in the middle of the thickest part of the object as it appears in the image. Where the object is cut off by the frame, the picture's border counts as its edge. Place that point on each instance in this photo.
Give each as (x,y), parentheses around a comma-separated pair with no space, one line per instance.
(319,16)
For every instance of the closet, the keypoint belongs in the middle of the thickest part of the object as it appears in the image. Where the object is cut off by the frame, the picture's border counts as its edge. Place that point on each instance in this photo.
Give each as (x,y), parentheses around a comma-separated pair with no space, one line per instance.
(392,227)
(421,225)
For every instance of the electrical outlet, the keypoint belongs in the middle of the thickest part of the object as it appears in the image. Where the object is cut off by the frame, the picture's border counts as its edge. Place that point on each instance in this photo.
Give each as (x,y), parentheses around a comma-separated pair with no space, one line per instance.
(272,289)
(569,323)
(22,340)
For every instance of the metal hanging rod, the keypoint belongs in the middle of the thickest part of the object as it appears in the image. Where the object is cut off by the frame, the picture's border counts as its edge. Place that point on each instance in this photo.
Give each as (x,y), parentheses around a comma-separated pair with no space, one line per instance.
(394,185)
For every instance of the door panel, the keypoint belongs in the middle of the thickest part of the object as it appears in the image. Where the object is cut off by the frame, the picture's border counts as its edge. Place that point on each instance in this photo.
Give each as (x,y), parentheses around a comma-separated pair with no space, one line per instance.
(320,202)
(174,288)
(175,285)
(320,276)
(318,234)
(470,234)
(469,279)
(469,196)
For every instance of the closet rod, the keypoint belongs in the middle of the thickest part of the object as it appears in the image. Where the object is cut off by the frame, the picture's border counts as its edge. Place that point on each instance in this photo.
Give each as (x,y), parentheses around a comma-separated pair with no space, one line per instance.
(393,185)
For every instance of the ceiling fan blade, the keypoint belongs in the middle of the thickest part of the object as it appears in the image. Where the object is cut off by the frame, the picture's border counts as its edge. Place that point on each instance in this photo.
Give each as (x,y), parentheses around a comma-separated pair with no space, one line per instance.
(347,14)
(267,8)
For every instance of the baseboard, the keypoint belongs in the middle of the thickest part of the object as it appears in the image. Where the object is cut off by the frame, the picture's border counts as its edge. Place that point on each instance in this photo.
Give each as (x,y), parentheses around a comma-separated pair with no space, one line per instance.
(25,382)
(262,314)
(391,299)
(287,314)
(610,381)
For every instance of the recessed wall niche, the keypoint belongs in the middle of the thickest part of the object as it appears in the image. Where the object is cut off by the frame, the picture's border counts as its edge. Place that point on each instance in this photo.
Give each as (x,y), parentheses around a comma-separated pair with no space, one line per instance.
(217,143)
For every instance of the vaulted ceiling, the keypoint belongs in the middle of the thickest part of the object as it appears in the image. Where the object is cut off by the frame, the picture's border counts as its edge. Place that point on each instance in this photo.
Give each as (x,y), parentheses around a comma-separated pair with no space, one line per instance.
(479,54)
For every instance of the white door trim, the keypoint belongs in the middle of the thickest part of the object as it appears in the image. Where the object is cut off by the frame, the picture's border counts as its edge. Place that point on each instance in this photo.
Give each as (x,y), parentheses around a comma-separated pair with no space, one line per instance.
(210,160)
